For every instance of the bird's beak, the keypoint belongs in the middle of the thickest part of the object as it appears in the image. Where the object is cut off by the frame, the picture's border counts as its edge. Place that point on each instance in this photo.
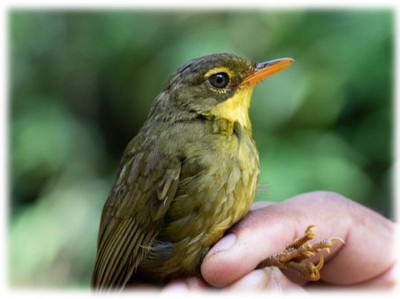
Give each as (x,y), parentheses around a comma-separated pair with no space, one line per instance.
(266,69)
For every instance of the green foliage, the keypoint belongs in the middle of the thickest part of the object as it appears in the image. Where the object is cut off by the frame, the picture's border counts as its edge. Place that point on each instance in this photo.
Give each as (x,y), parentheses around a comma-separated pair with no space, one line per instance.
(81,85)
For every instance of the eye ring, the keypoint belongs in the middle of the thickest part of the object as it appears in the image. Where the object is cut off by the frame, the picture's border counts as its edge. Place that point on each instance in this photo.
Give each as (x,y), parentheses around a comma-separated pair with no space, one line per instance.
(219,80)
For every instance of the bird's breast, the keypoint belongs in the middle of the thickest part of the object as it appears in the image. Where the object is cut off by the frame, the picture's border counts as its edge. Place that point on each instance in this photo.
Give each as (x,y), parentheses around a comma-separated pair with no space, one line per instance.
(219,178)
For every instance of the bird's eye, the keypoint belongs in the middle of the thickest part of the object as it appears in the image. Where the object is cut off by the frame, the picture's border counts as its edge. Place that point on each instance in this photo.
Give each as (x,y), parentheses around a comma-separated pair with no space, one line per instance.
(219,80)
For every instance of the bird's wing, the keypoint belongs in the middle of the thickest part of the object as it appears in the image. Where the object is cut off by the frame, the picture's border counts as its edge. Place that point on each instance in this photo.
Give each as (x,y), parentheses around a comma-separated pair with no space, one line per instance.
(132,216)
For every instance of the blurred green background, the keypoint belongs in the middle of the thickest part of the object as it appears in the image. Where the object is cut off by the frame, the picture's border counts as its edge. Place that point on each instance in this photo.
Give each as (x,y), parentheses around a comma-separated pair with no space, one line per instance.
(82,82)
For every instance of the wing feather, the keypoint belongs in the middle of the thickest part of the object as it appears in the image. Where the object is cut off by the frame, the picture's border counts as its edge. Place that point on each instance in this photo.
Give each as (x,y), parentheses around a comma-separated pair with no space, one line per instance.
(132,216)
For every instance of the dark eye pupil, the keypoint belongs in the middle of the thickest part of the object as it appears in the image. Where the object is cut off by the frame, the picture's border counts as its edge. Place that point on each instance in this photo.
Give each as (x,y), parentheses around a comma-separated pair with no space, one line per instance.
(219,80)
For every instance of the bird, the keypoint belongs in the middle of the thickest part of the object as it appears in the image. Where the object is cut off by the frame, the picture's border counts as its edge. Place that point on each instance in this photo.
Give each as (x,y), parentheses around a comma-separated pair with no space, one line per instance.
(190,173)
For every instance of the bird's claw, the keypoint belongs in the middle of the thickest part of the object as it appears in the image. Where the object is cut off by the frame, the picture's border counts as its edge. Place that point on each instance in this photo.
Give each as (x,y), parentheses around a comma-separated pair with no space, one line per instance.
(295,256)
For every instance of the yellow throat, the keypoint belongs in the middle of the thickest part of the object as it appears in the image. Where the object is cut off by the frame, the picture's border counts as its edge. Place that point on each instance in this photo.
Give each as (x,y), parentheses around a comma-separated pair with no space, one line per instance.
(236,108)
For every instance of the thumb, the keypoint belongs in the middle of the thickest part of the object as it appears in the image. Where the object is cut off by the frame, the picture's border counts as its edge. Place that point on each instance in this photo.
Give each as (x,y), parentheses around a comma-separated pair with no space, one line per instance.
(245,246)
(268,230)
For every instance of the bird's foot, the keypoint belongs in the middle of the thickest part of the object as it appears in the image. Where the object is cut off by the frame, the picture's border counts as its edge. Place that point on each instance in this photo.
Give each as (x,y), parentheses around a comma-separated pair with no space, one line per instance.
(295,255)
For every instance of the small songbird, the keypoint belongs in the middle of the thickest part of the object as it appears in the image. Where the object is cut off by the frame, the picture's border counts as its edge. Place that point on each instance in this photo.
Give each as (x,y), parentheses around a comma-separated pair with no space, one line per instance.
(189,174)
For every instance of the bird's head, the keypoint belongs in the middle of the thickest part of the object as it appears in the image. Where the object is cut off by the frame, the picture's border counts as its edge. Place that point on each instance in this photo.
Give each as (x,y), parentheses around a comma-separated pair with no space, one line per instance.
(214,86)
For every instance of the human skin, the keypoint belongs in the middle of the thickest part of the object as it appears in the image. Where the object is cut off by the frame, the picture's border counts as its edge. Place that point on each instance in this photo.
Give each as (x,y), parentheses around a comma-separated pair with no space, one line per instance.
(366,260)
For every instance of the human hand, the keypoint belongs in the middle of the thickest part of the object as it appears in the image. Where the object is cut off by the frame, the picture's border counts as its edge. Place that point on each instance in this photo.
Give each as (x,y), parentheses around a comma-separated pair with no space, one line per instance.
(366,260)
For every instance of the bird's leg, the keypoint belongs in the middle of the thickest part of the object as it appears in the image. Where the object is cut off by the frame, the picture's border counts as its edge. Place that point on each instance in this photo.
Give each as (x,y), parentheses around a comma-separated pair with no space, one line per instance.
(299,250)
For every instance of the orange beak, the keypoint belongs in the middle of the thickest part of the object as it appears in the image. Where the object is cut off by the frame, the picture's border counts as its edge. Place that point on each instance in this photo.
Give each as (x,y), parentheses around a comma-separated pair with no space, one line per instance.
(266,69)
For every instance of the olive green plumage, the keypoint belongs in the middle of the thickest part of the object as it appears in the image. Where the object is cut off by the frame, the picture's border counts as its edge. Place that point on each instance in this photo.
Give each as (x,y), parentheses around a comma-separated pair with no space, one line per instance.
(188,175)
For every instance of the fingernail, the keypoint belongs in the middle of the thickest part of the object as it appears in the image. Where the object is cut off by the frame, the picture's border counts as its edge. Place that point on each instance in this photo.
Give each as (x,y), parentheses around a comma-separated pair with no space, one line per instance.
(224,244)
